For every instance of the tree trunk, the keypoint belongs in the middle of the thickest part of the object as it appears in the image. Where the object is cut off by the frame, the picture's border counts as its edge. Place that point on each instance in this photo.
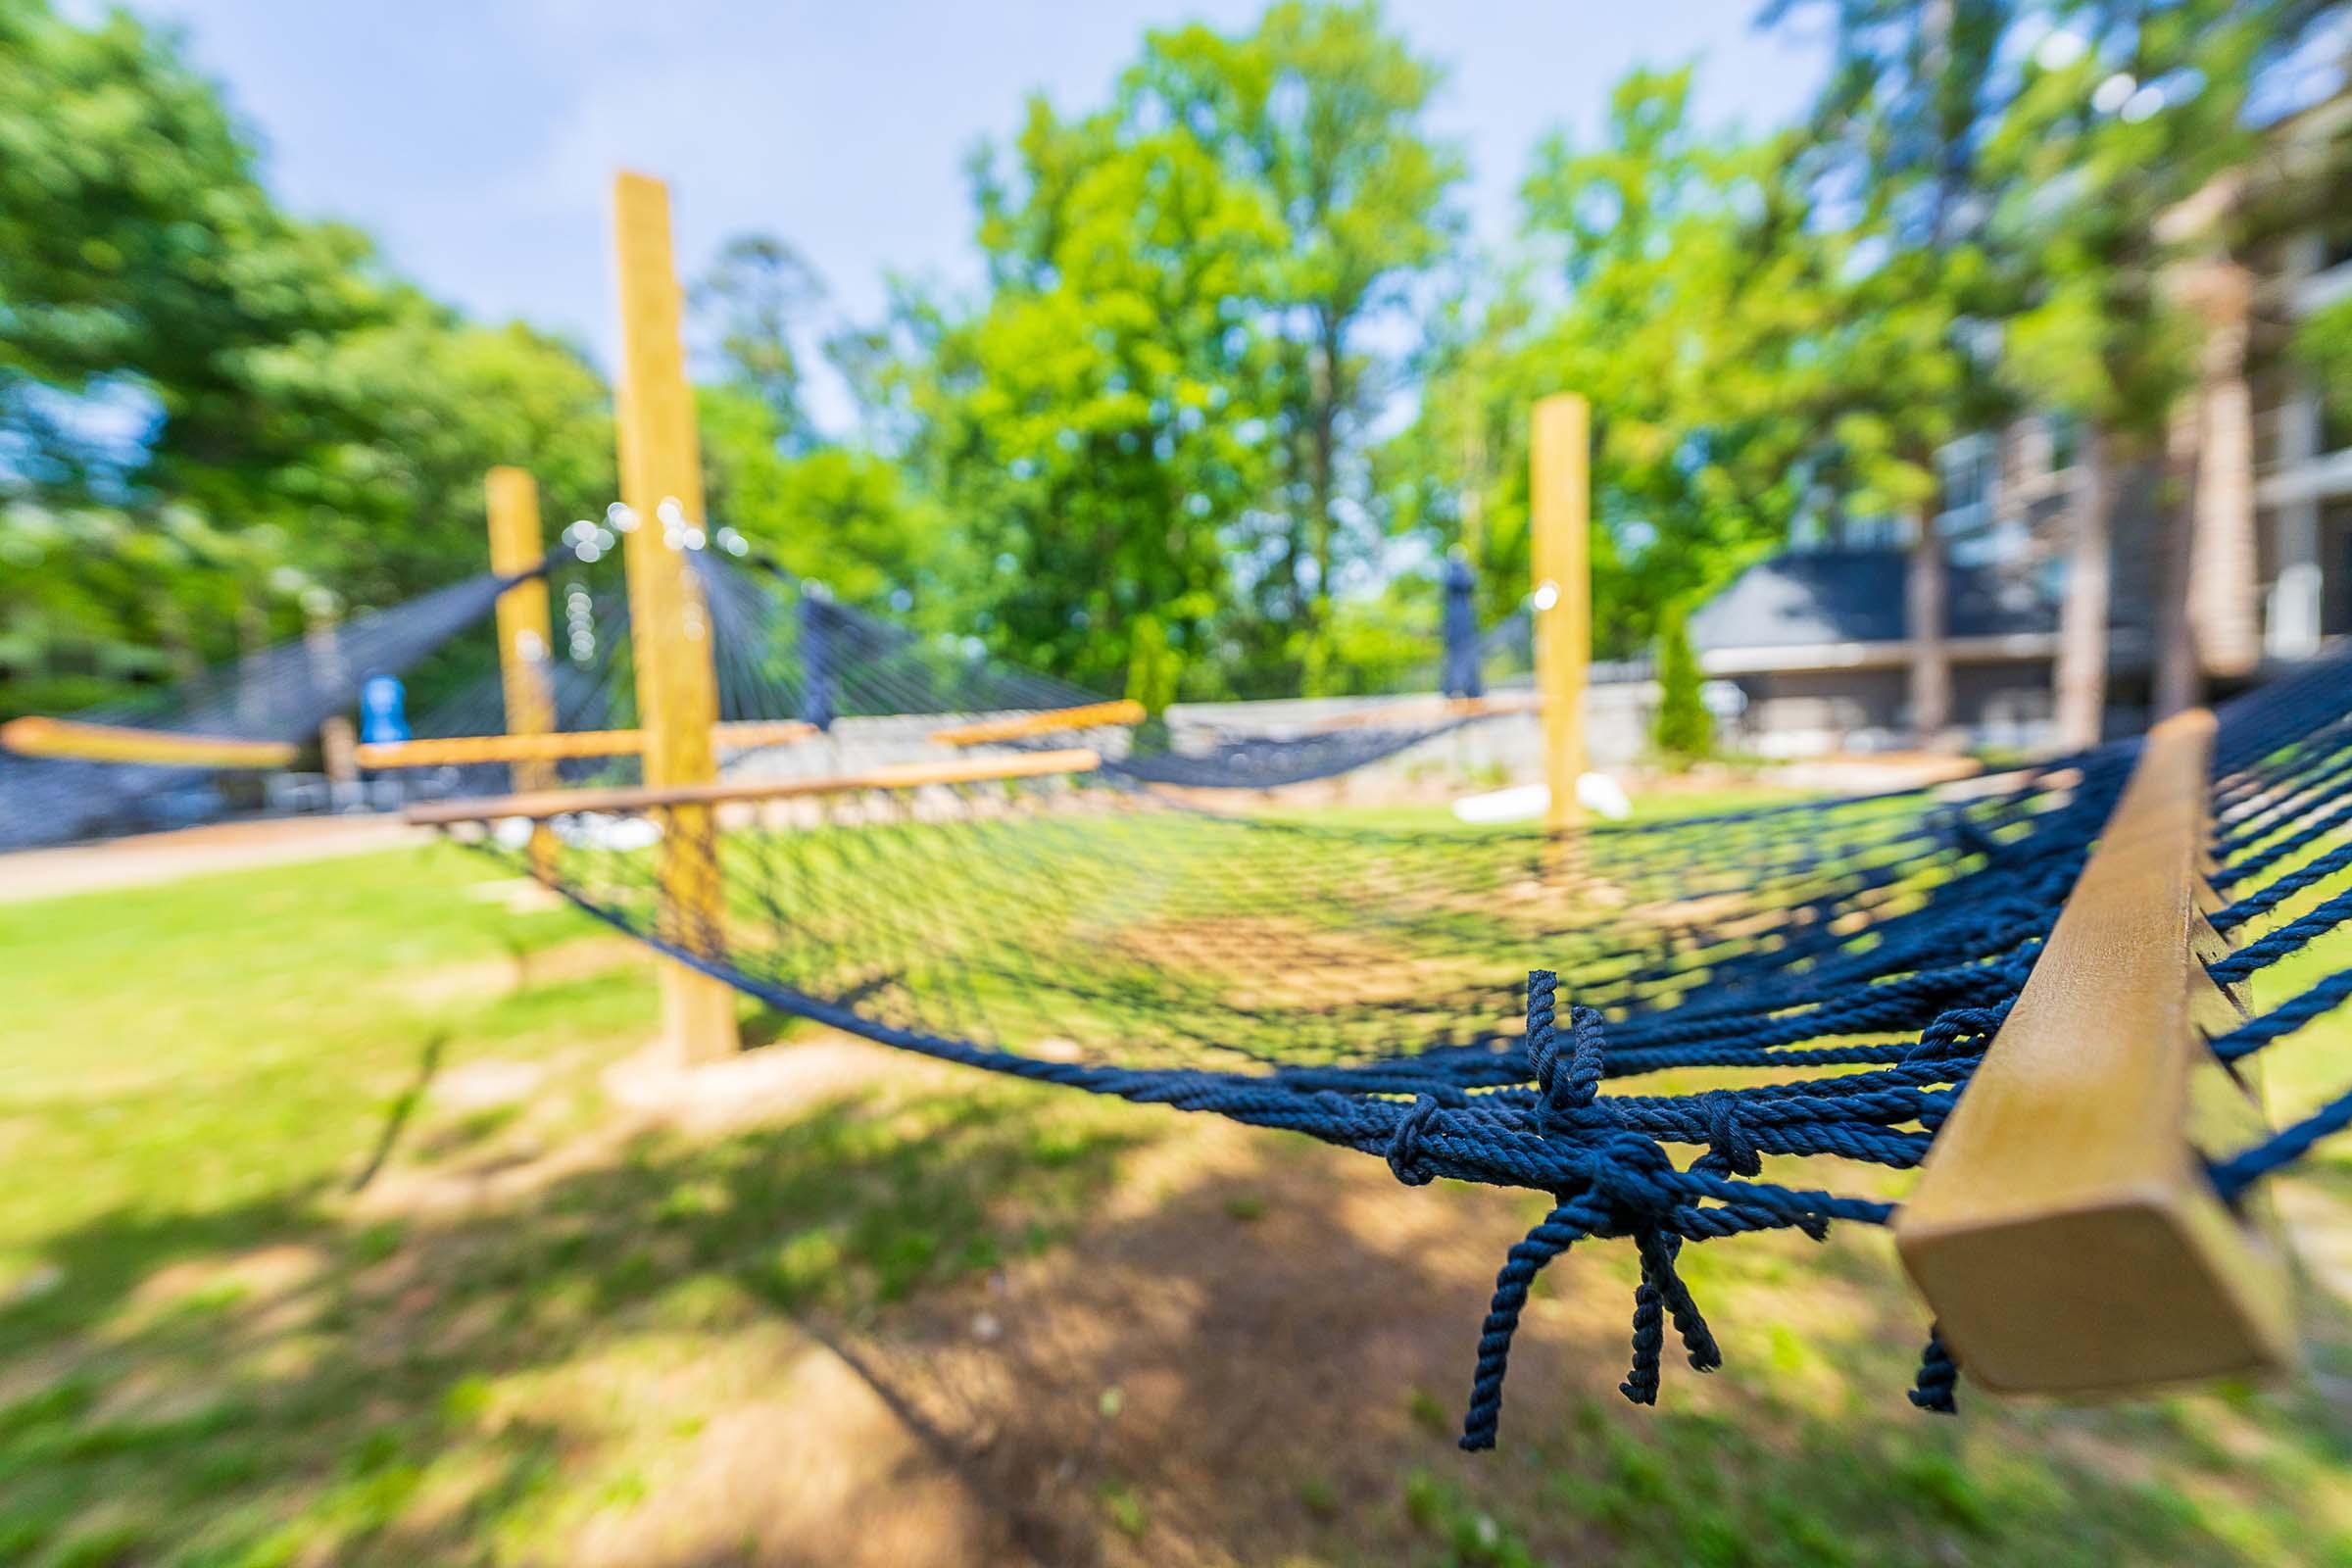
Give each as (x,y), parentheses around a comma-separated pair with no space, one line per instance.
(2175,680)
(2080,677)
(2221,594)
(1931,658)
(1323,416)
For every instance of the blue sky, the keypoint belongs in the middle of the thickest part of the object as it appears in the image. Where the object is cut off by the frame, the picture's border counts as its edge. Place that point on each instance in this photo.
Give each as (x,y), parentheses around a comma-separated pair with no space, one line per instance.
(475,138)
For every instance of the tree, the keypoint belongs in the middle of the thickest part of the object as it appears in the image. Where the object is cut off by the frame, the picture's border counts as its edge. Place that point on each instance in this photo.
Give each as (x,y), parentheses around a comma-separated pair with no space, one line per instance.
(1683,730)
(1692,302)
(141,261)
(2110,132)
(756,293)
(1896,141)
(1322,111)
(1152,668)
(843,517)
(1092,425)
(396,424)
(212,404)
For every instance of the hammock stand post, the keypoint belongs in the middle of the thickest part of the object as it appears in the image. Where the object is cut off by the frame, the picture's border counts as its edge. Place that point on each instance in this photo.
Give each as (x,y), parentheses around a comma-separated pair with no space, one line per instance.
(338,742)
(1559,465)
(2064,1229)
(677,687)
(524,634)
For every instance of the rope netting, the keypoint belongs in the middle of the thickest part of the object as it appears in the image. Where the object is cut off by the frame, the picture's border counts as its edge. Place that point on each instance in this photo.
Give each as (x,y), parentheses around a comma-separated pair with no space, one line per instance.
(784,648)
(1805,981)
(282,693)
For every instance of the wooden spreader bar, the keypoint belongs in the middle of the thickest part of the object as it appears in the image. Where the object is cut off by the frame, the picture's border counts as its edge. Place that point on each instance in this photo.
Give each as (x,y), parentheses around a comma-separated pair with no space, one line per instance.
(459,751)
(544,804)
(1021,726)
(79,741)
(1431,711)
(2063,1229)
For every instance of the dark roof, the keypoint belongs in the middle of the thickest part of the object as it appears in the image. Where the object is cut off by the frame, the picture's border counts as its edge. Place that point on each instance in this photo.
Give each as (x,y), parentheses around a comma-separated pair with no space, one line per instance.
(1857,596)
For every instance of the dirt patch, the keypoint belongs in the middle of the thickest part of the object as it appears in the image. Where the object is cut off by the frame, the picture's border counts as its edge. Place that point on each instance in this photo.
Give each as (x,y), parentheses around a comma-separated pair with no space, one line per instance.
(485,1084)
(808,1464)
(269,1287)
(649,1092)
(1232,1330)
(759,1086)
(484,978)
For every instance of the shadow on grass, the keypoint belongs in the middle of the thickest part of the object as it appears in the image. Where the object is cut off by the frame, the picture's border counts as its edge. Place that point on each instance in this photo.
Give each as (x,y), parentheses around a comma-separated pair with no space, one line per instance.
(402,1109)
(1254,1358)
(316,1409)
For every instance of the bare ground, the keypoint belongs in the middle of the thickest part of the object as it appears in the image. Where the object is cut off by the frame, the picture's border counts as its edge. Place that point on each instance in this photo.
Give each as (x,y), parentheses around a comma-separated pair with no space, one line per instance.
(1232,1359)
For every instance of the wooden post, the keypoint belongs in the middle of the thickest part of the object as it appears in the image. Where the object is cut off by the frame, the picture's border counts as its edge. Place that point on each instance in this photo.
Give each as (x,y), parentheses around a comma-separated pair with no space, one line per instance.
(678,689)
(524,636)
(1559,465)
(2063,1228)
(338,743)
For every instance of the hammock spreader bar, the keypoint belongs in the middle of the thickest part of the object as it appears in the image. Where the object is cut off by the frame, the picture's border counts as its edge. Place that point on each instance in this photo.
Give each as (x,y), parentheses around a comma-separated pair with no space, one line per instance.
(83,741)
(2064,1228)
(463,751)
(1021,726)
(542,805)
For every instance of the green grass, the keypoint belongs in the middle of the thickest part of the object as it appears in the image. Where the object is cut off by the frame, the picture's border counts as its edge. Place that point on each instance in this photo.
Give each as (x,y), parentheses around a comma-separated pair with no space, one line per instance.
(213,1351)
(222,1342)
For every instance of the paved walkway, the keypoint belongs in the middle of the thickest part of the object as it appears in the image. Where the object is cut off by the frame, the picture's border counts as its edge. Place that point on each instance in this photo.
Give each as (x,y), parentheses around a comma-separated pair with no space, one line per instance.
(153,857)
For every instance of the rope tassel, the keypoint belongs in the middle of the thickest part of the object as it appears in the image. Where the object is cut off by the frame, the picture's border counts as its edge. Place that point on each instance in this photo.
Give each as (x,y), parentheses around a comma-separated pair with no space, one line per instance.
(1938,1376)
(1620,1196)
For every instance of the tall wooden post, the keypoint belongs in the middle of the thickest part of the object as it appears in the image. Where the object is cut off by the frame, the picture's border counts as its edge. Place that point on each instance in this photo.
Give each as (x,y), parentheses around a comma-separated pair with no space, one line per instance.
(523,637)
(678,689)
(1559,477)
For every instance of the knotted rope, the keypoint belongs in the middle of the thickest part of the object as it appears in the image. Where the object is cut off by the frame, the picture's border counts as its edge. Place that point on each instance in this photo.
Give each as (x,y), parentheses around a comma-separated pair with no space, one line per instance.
(1620,1193)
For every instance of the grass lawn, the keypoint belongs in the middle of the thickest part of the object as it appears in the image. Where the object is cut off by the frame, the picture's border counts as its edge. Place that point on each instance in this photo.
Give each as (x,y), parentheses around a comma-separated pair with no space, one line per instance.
(330,1231)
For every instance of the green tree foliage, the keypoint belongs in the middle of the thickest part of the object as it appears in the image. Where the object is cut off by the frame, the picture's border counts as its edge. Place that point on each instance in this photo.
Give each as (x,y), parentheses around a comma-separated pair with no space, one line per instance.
(1897,144)
(1683,730)
(2325,345)
(1092,428)
(1152,667)
(756,293)
(2102,141)
(842,517)
(1321,112)
(397,423)
(140,257)
(209,407)
(1691,295)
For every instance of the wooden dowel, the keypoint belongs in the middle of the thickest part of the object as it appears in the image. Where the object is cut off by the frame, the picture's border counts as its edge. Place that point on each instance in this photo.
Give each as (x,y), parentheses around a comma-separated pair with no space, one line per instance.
(1091,715)
(79,741)
(459,750)
(891,776)
(2063,1228)
(1431,711)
